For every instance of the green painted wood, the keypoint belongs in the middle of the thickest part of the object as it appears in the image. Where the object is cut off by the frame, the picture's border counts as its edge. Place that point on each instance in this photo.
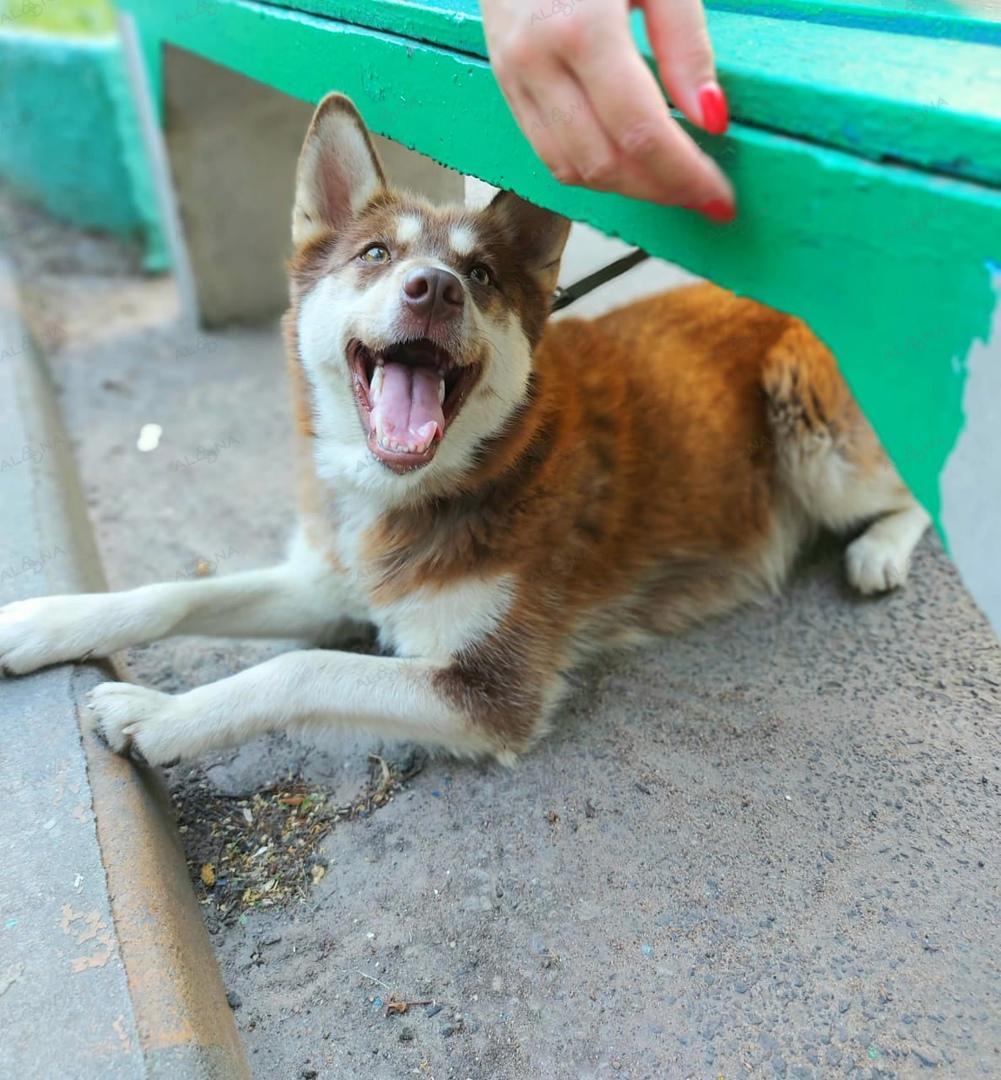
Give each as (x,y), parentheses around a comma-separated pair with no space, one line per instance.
(451,24)
(976,22)
(94,174)
(457,24)
(888,264)
(933,103)
(929,103)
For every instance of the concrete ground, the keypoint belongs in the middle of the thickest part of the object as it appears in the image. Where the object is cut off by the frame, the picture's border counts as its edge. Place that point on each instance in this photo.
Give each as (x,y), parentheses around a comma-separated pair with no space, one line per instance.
(101,937)
(769,847)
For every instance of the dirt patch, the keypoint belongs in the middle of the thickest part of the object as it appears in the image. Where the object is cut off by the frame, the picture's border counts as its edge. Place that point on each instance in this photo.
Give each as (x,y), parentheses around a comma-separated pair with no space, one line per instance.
(261,851)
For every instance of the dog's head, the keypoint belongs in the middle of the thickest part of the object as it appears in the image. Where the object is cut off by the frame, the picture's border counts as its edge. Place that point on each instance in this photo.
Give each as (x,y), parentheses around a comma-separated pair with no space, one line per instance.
(415,324)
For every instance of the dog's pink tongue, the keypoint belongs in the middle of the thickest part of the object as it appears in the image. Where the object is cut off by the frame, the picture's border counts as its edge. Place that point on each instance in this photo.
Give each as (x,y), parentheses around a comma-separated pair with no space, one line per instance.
(408,410)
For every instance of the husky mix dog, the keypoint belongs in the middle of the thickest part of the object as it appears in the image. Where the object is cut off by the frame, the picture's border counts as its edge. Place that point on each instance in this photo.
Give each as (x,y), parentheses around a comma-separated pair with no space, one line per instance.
(499,497)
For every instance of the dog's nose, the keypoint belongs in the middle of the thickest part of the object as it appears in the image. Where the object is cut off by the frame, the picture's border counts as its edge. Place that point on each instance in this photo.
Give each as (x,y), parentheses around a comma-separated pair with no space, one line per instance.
(431,291)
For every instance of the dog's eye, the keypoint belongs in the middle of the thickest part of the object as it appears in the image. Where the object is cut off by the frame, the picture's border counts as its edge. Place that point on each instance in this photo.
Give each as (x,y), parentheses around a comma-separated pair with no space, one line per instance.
(375,254)
(481,275)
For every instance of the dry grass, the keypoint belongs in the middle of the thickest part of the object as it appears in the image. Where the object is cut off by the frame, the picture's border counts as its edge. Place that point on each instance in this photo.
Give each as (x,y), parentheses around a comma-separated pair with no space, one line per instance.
(262,850)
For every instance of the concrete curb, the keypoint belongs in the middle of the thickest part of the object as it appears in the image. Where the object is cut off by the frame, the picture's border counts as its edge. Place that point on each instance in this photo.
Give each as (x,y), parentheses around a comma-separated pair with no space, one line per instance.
(106,969)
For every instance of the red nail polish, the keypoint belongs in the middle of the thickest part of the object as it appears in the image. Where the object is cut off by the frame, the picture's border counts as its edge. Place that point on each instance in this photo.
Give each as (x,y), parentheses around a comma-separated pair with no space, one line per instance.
(718,210)
(715,114)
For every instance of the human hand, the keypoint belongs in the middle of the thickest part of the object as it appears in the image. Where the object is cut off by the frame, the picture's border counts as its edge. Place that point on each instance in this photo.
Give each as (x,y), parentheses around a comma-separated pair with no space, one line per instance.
(592,109)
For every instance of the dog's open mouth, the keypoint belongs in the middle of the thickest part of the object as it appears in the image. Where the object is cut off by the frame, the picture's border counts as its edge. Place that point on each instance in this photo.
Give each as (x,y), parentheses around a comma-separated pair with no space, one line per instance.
(407,395)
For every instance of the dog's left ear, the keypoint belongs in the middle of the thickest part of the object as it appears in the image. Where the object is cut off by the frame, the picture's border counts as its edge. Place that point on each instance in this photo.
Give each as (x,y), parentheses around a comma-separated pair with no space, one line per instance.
(540,235)
(338,171)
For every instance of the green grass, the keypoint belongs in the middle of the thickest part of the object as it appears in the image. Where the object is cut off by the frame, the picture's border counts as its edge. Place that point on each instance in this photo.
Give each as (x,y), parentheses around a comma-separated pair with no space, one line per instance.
(79,17)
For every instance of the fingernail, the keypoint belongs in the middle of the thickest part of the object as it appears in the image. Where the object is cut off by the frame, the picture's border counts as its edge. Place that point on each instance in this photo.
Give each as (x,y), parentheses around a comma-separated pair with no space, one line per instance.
(715,114)
(718,210)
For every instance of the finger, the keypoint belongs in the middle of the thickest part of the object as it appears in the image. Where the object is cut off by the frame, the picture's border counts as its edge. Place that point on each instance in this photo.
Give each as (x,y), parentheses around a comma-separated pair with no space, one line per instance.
(538,127)
(579,138)
(559,120)
(632,110)
(680,42)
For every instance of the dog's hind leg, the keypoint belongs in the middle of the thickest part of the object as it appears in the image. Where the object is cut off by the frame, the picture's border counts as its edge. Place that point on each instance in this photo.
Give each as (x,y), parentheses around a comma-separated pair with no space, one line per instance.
(304,597)
(879,559)
(832,461)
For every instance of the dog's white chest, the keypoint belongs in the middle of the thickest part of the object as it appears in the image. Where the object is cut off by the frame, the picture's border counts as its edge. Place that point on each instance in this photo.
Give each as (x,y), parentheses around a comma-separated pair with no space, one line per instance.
(438,622)
(433,621)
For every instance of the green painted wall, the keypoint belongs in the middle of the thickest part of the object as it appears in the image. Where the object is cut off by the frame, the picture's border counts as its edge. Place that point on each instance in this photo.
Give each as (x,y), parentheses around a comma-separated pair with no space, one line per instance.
(69,139)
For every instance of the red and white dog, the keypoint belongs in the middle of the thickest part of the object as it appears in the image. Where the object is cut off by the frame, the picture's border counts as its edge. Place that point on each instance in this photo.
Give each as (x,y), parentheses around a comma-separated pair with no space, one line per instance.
(498,497)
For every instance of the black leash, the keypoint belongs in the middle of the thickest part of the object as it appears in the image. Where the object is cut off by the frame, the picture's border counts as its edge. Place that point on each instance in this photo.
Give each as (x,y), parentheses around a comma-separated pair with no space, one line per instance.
(573,292)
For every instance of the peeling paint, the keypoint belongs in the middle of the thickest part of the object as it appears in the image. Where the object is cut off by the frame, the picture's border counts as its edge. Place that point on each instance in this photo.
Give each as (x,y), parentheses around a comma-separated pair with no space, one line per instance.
(96,959)
(118,1027)
(87,927)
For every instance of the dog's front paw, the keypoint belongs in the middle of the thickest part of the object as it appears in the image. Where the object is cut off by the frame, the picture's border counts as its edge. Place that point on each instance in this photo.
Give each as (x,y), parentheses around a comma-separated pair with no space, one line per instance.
(45,630)
(135,716)
(876,565)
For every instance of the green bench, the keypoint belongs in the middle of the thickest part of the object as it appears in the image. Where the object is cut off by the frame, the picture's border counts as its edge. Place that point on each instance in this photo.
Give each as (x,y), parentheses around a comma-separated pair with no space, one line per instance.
(865,150)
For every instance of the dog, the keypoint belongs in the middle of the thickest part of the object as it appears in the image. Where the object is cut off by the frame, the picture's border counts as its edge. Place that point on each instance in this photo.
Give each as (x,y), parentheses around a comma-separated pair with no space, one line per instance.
(500,498)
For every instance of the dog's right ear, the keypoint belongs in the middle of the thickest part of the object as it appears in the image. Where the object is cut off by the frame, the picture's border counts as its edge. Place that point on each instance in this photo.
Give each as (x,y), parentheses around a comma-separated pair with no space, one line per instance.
(338,171)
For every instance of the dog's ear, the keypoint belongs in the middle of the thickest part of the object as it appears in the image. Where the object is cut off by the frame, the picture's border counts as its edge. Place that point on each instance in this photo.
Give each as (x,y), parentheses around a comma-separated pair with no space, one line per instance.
(538,235)
(338,171)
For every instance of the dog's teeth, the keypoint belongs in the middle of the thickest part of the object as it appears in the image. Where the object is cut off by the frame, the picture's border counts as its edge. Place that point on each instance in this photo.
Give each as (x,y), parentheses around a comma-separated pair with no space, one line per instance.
(441,390)
(375,387)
